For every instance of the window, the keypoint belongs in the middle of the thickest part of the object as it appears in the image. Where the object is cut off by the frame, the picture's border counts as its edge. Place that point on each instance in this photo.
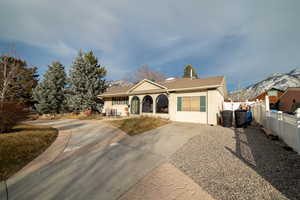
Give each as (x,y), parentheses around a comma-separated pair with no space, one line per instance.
(147,106)
(162,104)
(186,103)
(191,103)
(272,93)
(119,100)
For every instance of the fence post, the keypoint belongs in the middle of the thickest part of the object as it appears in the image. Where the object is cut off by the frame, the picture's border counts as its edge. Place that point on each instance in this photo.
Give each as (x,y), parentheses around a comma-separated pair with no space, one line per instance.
(298,117)
(268,114)
(280,115)
(298,129)
(267,102)
(279,123)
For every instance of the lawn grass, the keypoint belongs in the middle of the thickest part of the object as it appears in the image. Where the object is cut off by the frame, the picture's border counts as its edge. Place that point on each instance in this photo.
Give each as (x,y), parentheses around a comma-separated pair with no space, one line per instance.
(21,145)
(137,125)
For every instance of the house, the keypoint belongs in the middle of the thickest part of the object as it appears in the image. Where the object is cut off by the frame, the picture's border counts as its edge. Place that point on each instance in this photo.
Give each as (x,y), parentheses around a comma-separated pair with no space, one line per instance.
(178,99)
(289,100)
(273,93)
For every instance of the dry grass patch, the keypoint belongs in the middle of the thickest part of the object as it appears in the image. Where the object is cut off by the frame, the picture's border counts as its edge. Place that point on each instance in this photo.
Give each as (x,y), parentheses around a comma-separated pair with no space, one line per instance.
(84,117)
(71,116)
(21,145)
(134,126)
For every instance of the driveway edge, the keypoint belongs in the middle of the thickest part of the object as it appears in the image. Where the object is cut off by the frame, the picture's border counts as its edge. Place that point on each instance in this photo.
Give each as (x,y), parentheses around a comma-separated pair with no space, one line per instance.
(48,156)
(3,191)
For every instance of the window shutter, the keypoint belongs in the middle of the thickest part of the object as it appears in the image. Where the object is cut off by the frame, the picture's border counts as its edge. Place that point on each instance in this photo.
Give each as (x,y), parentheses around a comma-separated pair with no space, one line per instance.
(202,103)
(179,103)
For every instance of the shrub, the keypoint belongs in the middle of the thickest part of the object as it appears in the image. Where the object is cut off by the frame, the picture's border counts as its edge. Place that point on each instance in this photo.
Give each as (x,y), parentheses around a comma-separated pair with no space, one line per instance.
(10,114)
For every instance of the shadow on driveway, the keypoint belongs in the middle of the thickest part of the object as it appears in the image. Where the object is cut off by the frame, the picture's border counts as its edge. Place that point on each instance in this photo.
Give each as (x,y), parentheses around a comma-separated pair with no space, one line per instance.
(281,168)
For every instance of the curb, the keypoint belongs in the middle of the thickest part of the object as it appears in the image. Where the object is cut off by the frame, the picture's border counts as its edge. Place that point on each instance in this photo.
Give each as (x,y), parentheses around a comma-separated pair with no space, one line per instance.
(48,156)
(3,191)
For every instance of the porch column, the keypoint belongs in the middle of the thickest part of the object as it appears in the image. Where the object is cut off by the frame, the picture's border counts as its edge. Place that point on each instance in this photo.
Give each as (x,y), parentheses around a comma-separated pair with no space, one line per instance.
(154,103)
(141,103)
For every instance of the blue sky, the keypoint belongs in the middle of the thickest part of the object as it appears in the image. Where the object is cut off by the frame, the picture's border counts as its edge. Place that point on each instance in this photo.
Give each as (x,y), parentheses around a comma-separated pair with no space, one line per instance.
(244,40)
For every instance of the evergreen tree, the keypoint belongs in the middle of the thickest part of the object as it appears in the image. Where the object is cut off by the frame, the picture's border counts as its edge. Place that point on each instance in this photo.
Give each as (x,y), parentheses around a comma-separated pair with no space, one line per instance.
(86,82)
(49,93)
(187,72)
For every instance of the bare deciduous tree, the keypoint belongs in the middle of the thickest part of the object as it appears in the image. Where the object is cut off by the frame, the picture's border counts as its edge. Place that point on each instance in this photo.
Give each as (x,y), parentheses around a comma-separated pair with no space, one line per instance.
(16,79)
(9,73)
(144,72)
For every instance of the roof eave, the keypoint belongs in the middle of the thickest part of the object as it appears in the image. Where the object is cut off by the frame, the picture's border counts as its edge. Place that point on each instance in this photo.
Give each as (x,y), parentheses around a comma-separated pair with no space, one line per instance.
(195,88)
(112,95)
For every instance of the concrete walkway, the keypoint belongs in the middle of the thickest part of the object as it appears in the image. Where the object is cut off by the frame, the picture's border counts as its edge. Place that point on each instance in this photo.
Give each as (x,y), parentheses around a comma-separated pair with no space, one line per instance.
(164,183)
(94,165)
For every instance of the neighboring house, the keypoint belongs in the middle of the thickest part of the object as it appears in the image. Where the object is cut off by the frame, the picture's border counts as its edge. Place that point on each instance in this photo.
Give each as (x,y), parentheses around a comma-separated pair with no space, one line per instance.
(273,93)
(289,100)
(183,99)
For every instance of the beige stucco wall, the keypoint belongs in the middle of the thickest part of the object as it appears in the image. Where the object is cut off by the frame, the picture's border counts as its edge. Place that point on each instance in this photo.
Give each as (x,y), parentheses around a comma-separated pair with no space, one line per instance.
(120,108)
(214,102)
(184,116)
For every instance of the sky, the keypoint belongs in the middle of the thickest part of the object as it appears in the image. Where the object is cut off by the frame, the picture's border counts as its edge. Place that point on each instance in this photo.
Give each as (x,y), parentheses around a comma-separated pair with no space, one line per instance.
(244,40)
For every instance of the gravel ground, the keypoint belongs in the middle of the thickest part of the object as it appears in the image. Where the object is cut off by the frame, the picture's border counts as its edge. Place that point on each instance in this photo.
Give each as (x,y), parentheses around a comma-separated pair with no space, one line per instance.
(240,164)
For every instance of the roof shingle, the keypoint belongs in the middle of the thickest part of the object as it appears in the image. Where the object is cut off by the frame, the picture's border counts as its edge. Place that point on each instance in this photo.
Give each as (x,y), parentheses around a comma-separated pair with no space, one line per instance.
(175,84)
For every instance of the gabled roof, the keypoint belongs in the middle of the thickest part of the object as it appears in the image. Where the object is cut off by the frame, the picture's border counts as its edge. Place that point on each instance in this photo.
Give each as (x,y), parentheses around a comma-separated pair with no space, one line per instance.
(148,81)
(291,92)
(179,84)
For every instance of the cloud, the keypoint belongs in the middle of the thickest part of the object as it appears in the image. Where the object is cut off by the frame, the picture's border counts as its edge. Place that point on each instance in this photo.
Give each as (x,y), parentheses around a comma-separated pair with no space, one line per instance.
(244,40)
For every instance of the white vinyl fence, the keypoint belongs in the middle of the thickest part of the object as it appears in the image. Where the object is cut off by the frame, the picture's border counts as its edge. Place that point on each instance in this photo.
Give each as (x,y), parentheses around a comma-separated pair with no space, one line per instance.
(285,126)
(235,105)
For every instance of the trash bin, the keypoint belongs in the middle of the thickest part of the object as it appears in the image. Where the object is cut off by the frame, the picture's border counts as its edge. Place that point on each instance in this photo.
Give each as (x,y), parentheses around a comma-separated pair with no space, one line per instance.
(227,118)
(249,117)
(240,118)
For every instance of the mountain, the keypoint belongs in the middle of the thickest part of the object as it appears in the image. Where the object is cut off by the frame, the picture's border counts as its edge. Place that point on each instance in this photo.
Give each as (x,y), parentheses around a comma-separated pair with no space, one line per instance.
(119,83)
(276,80)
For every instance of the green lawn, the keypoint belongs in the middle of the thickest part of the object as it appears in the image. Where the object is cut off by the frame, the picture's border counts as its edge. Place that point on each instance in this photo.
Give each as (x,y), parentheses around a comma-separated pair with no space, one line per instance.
(21,145)
(134,126)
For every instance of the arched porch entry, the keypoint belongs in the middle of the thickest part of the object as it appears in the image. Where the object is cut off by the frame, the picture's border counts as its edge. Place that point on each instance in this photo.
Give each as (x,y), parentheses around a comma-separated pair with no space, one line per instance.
(135,105)
(147,106)
(162,104)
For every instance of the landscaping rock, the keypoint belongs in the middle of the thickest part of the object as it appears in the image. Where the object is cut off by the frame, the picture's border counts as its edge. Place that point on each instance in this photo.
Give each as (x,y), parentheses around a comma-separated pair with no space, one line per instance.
(240,164)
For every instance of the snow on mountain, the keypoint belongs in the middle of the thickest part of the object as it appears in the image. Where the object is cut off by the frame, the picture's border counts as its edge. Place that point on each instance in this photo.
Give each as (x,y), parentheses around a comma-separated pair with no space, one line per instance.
(276,80)
(119,83)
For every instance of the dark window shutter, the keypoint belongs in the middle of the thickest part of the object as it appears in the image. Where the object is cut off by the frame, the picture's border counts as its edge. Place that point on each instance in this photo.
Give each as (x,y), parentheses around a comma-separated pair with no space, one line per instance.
(179,103)
(202,103)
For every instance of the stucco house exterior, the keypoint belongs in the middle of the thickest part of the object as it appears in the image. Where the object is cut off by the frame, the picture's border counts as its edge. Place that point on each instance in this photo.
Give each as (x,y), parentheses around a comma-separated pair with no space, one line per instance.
(178,99)
(273,94)
(289,101)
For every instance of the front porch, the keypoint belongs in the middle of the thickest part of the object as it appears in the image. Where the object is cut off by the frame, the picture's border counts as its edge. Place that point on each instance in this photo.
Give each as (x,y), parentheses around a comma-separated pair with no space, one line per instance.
(150,104)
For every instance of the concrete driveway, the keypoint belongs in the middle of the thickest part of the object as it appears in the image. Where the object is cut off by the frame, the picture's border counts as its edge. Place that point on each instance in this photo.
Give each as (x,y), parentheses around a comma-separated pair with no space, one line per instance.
(98,162)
